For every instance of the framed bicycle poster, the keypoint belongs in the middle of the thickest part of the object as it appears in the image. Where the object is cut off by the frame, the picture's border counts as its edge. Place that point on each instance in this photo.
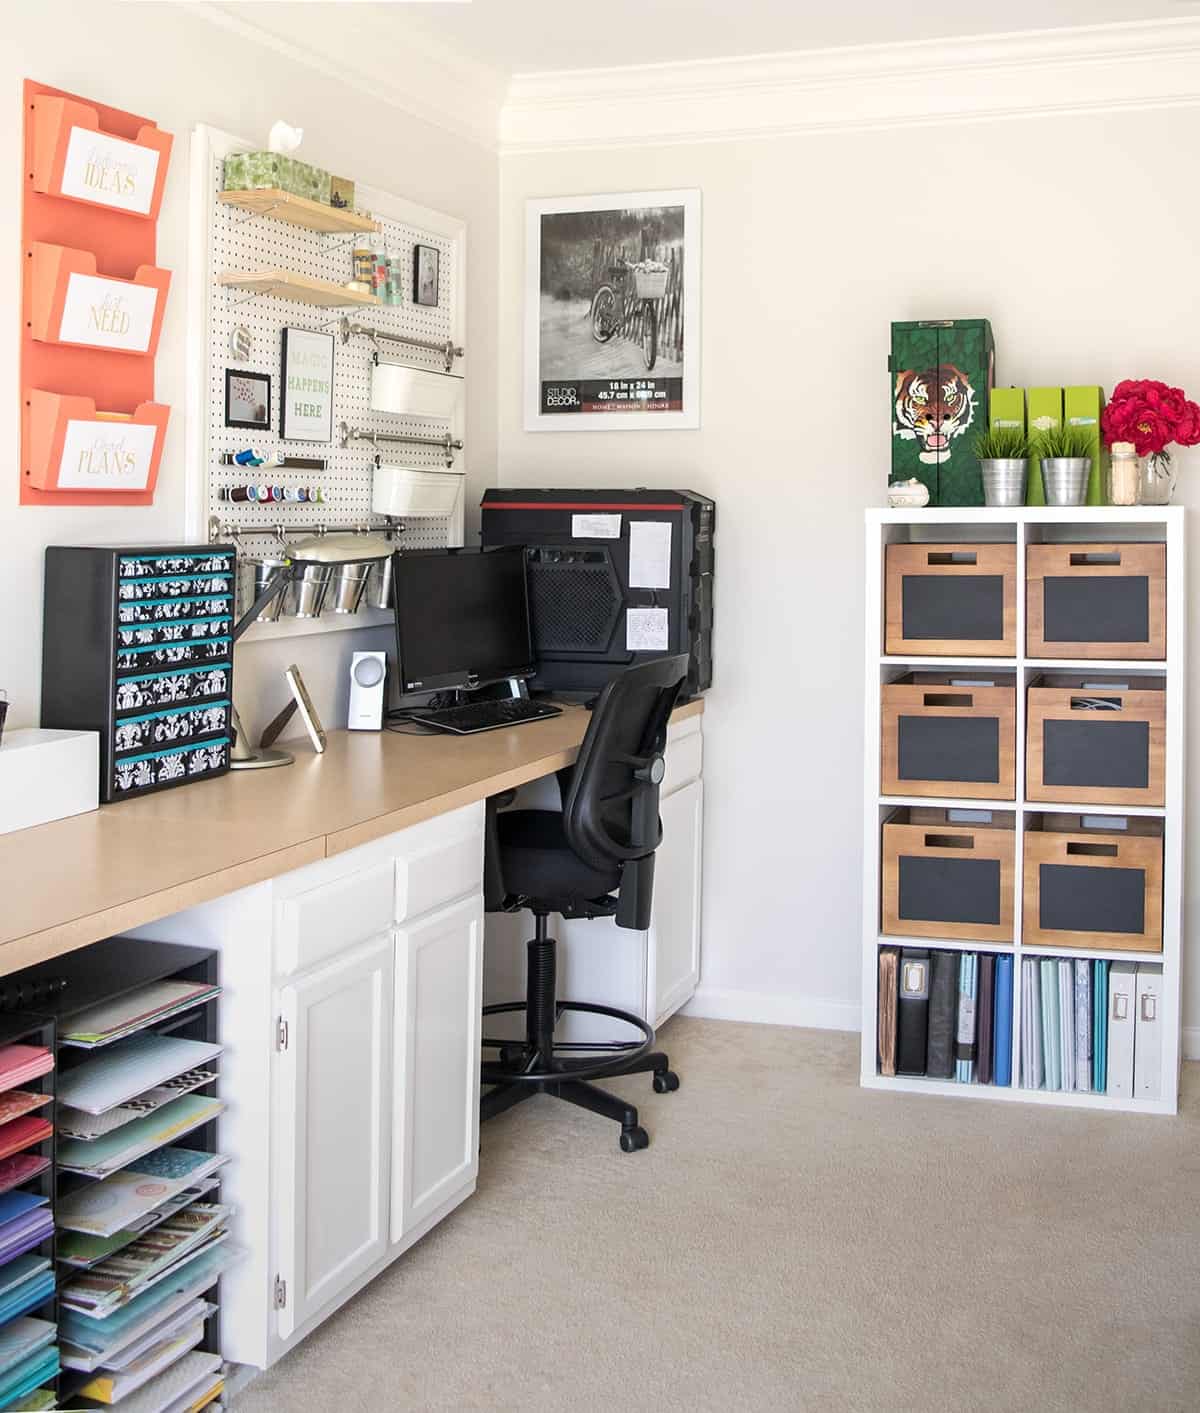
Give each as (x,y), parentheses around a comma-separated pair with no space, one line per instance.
(612,312)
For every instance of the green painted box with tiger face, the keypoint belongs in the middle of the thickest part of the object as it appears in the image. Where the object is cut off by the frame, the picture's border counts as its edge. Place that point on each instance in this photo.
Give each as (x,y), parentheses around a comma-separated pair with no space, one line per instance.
(942,371)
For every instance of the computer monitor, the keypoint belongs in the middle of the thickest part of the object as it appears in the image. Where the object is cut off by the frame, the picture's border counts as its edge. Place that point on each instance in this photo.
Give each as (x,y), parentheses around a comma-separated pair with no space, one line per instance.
(462,618)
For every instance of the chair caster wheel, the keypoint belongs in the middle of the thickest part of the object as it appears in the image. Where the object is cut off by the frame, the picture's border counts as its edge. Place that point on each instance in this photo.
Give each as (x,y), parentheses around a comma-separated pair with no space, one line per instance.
(666,1082)
(634,1138)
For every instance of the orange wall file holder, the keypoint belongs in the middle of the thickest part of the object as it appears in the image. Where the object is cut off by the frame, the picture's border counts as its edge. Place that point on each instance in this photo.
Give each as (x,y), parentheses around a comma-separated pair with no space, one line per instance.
(92,296)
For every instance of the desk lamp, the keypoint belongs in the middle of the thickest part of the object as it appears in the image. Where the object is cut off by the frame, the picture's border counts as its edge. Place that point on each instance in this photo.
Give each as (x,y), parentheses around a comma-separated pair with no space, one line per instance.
(242,755)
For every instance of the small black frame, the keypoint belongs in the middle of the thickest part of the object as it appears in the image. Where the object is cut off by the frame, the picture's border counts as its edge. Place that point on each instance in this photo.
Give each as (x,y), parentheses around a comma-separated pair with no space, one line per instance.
(264,379)
(427,262)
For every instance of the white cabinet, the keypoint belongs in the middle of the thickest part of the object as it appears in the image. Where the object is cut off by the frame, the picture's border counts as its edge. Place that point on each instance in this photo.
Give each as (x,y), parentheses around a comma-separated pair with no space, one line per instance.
(332,1102)
(673,949)
(435,1117)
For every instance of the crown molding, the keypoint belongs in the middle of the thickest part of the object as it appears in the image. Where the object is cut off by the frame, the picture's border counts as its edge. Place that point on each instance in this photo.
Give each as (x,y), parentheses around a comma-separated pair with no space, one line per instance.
(433,83)
(1040,73)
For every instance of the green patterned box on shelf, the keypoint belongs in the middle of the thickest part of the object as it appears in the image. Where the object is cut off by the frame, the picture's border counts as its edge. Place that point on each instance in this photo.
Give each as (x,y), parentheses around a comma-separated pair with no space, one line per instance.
(942,372)
(275,171)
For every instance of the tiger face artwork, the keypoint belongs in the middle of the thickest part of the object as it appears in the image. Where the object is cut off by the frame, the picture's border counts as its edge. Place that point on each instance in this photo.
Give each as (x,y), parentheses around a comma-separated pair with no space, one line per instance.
(935,406)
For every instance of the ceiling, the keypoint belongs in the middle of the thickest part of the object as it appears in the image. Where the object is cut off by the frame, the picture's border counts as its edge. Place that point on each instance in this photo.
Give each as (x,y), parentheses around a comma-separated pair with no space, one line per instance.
(529,36)
(524,36)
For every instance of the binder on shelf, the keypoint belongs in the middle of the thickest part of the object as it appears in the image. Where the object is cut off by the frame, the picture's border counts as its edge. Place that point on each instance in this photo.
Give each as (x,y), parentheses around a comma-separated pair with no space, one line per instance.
(912,1011)
(1122,979)
(1147,1034)
(1002,1036)
(889,981)
(1066,1023)
(943,1005)
(984,1017)
(1032,1068)
(1082,408)
(1100,1025)
(1051,1028)
(1083,1024)
(964,1041)
(1006,409)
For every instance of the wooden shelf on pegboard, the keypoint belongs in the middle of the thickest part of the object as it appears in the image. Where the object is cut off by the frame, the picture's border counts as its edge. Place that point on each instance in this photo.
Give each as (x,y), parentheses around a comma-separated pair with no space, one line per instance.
(299,211)
(289,285)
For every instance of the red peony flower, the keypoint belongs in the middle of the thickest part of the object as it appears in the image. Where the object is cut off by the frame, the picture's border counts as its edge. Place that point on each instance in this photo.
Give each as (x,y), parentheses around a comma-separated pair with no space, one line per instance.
(1150,414)
(1187,429)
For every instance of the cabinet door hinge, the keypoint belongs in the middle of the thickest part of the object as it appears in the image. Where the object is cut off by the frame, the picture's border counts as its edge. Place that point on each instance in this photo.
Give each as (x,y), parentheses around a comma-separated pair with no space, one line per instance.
(281,1034)
(280,1292)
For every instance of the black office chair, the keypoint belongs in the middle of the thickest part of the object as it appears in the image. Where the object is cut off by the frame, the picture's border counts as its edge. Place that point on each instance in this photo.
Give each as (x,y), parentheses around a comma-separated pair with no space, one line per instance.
(569,863)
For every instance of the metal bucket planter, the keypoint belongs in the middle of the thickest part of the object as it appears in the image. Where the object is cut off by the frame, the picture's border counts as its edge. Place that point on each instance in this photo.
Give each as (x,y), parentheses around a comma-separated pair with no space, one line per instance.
(1004,480)
(1065,479)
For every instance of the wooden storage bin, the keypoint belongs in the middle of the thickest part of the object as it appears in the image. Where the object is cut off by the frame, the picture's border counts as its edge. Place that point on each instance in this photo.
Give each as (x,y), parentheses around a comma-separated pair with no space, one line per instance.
(1092,741)
(947,733)
(1090,883)
(1098,600)
(951,600)
(946,877)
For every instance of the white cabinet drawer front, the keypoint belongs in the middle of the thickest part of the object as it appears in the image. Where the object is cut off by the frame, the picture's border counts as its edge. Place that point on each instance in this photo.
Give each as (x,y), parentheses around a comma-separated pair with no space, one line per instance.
(439,861)
(320,922)
(683,759)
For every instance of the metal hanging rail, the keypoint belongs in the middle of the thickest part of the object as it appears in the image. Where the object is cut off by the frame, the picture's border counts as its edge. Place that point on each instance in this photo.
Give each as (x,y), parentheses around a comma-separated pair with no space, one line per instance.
(449,350)
(448,444)
(383,525)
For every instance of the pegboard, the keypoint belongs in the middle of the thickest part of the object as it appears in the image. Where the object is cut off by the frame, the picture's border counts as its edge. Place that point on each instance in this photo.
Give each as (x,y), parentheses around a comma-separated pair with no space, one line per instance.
(234,239)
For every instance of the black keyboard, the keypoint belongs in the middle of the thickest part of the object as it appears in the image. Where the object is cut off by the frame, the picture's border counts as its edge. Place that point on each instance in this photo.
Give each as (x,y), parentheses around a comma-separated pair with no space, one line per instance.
(487,716)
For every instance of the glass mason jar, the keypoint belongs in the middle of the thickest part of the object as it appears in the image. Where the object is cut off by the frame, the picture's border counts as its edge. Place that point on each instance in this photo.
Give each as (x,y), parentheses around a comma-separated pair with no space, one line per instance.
(1158,479)
(1125,475)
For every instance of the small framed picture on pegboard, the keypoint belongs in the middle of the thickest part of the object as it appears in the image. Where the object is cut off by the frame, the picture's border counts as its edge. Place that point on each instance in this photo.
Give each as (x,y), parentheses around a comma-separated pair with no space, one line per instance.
(247,400)
(426,260)
(307,372)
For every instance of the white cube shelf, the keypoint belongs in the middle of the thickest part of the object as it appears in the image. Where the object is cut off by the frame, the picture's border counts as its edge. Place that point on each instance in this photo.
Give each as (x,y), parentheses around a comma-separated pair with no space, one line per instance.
(1024,526)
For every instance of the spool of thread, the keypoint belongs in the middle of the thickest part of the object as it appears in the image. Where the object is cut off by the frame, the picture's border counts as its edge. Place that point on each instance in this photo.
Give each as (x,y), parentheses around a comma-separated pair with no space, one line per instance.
(247,458)
(238,493)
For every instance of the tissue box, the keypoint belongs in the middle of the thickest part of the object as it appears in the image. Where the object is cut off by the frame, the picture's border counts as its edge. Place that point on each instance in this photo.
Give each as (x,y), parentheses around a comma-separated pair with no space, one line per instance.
(275,171)
(46,775)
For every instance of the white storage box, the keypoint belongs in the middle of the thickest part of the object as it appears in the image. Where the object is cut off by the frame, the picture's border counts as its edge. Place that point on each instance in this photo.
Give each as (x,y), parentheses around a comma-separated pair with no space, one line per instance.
(650,280)
(406,491)
(46,775)
(412,392)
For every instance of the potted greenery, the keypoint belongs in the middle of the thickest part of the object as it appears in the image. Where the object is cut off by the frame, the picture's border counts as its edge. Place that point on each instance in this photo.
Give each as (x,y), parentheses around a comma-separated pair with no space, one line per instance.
(1066,454)
(1004,464)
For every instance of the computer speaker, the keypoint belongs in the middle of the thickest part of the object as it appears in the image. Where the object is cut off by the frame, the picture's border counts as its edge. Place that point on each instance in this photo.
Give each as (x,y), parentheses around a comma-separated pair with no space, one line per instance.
(368,686)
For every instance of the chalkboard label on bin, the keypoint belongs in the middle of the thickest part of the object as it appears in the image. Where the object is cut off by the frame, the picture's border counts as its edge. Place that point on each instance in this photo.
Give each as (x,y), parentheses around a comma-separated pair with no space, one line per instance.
(1096,608)
(1078,898)
(949,890)
(965,606)
(1099,755)
(962,748)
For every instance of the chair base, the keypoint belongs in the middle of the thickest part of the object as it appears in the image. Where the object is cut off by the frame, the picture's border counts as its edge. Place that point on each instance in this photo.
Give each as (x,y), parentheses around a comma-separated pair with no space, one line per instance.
(540,1065)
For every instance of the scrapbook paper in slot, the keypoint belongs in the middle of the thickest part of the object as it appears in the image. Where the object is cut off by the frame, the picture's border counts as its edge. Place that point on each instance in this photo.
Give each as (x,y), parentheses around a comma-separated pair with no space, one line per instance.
(103,1024)
(128,1068)
(104,1207)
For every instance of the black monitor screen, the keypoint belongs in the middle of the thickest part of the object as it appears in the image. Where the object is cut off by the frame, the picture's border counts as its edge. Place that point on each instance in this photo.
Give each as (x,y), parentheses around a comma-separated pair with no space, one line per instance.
(462,617)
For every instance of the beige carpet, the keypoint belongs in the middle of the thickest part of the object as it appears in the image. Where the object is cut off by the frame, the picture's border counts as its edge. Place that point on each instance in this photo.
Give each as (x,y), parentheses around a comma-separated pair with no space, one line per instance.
(788,1241)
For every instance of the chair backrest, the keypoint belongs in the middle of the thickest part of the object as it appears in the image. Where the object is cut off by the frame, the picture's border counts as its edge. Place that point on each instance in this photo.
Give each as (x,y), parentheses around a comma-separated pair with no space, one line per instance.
(610,810)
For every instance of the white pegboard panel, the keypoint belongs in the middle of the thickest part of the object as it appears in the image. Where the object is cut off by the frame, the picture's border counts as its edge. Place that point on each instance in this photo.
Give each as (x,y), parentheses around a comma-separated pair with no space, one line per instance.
(236,240)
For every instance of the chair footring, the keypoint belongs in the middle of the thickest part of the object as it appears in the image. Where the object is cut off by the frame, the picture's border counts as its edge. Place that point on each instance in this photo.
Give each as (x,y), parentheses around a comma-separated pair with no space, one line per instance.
(522,1062)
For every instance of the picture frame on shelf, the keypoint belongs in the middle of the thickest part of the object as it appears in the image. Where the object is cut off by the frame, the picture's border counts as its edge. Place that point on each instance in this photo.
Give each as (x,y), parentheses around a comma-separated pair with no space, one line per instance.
(247,400)
(306,369)
(427,261)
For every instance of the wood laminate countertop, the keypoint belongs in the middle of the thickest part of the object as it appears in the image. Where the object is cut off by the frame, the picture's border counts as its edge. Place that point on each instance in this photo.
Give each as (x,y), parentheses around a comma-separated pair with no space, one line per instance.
(72,882)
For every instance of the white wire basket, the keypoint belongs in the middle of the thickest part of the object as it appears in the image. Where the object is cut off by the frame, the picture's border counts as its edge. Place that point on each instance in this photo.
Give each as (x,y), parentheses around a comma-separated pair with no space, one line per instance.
(651,283)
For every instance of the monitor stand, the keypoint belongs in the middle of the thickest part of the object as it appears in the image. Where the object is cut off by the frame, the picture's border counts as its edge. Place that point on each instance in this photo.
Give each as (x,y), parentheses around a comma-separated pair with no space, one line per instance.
(505,690)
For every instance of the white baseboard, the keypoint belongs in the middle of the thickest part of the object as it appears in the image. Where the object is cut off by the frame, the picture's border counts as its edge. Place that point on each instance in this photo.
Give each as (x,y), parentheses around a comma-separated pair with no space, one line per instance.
(1191,1042)
(768,1008)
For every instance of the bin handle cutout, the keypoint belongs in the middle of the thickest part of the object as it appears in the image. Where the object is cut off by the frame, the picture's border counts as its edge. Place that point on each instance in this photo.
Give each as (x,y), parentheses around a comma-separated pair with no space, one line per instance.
(952,557)
(947,699)
(1097,704)
(1099,851)
(1082,557)
(949,841)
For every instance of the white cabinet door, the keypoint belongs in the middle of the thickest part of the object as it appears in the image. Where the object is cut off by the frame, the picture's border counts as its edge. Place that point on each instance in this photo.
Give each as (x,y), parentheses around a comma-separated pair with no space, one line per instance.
(435,1116)
(333,1097)
(674,950)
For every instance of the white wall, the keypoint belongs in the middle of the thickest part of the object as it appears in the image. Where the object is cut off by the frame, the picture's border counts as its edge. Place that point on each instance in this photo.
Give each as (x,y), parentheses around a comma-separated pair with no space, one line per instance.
(1075,236)
(178,69)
